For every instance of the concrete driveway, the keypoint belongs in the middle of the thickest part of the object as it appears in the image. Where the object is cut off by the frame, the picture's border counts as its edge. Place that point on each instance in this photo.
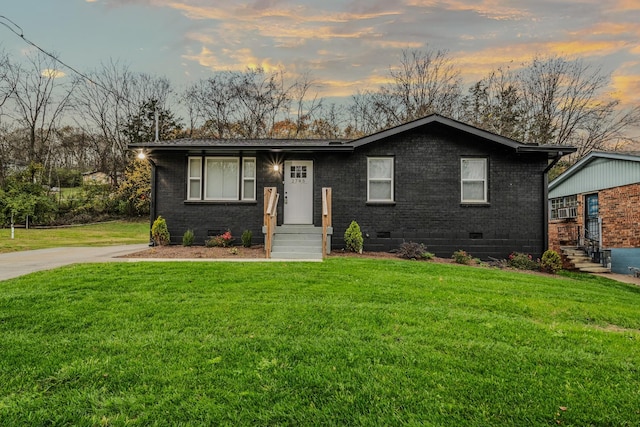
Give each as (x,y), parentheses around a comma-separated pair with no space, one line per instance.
(15,264)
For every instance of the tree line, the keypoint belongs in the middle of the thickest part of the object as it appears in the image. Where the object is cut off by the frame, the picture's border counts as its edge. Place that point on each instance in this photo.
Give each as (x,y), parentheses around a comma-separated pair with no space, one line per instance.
(86,121)
(49,125)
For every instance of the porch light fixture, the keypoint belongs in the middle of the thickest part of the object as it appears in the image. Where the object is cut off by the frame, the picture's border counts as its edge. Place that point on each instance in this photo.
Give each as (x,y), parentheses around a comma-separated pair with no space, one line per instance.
(276,167)
(141,155)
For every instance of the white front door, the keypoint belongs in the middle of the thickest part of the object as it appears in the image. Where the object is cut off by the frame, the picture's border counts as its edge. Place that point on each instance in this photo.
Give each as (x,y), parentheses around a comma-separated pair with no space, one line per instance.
(298,192)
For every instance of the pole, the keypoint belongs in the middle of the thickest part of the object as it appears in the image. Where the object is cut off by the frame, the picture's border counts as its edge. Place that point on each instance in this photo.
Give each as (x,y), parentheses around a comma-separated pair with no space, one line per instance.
(12,227)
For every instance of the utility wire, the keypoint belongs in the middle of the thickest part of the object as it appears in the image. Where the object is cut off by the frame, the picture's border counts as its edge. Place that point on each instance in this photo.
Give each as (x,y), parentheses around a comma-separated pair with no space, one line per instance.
(18,31)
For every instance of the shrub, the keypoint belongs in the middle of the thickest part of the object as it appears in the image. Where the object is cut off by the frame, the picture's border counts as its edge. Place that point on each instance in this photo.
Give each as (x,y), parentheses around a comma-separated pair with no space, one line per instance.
(522,261)
(187,238)
(428,256)
(223,240)
(353,238)
(412,250)
(160,232)
(246,238)
(551,261)
(461,257)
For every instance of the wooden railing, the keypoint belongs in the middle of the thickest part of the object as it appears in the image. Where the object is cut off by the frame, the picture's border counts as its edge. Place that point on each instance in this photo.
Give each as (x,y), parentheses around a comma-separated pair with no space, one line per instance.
(271,197)
(326,218)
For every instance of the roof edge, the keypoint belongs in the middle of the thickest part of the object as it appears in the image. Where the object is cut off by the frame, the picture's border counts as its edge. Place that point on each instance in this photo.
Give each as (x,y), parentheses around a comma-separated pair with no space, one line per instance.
(520,147)
(575,168)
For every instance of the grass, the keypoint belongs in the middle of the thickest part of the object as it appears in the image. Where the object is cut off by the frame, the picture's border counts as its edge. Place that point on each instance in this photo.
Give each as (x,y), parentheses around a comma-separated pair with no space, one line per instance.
(343,342)
(104,234)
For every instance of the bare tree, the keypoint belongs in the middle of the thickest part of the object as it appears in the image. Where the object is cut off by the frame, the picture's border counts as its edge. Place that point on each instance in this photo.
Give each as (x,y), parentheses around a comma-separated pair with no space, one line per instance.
(105,104)
(552,100)
(101,105)
(7,88)
(424,82)
(8,82)
(211,102)
(370,112)
(251,104)
(39,101)
(307,105)
(330,122)
(495,103)
(261,98)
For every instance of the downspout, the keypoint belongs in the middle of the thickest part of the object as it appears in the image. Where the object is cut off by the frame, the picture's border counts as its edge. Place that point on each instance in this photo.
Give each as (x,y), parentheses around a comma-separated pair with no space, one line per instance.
(545,195)
(152,205)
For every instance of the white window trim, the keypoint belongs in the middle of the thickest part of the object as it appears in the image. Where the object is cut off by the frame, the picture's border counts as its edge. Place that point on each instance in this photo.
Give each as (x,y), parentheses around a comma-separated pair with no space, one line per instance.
(192,178)
(484,180)
(370,180)
(237,160)
(247,179)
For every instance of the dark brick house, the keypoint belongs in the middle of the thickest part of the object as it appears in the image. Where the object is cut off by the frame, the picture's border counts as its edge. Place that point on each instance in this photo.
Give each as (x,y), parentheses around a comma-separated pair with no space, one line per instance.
(595,205)
(435,181)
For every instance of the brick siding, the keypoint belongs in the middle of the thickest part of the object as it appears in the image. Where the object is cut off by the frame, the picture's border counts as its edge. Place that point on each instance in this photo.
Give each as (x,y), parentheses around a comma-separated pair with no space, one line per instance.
(619,209)
(427,207)
(620,213)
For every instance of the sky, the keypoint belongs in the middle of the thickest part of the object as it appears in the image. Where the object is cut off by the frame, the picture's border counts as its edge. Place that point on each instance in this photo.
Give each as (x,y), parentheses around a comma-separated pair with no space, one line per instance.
(346,46)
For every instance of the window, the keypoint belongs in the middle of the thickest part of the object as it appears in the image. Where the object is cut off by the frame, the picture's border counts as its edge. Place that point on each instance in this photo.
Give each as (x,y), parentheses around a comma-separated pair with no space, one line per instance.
(249,179)
(564,207)
(298,171)
(474,180)
(221,178)
(194,185)
(380,179)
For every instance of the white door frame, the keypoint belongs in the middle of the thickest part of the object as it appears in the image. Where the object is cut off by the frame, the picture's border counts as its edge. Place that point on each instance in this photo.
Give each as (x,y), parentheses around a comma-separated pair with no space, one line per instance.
(298,192)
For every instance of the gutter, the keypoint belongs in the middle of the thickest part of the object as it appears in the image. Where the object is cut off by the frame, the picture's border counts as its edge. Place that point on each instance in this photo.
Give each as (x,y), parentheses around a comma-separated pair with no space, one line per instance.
(555,161)
(545,199)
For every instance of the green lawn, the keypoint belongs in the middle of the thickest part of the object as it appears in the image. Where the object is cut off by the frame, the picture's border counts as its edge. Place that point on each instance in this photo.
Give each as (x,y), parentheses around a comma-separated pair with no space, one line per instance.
(343,342)
(108,233)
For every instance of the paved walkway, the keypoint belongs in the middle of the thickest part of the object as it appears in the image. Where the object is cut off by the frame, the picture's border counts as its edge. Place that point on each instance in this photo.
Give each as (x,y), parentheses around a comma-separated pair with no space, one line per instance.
(624,278)
(15,264)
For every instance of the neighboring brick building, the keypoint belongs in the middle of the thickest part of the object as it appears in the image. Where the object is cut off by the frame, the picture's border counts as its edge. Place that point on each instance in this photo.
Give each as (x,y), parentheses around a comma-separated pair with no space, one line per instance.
(595,204)
(435,181)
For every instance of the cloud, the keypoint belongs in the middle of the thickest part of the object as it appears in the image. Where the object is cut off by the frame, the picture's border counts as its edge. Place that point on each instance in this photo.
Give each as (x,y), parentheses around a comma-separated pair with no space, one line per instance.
(52,73)
(351,45)
(626,83)
(626,5)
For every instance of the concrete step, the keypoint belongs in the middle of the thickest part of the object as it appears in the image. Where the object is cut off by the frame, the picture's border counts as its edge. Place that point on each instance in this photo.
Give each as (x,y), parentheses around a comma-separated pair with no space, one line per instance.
(598,269)
(591,267)
(297,242)
(573,252)
(298,237)
(284,247)
(587,264)
(298,229)
(579,259)
(296,255)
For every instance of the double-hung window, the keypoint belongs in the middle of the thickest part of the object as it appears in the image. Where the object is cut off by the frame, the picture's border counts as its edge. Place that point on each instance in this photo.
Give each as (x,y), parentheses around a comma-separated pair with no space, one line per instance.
(221,178)
(380,179)
(248,178)
(474,180)
(194,186)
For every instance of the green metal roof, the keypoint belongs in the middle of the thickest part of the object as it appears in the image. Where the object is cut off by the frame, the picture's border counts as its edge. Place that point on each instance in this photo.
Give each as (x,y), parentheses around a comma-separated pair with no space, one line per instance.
(597,171)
